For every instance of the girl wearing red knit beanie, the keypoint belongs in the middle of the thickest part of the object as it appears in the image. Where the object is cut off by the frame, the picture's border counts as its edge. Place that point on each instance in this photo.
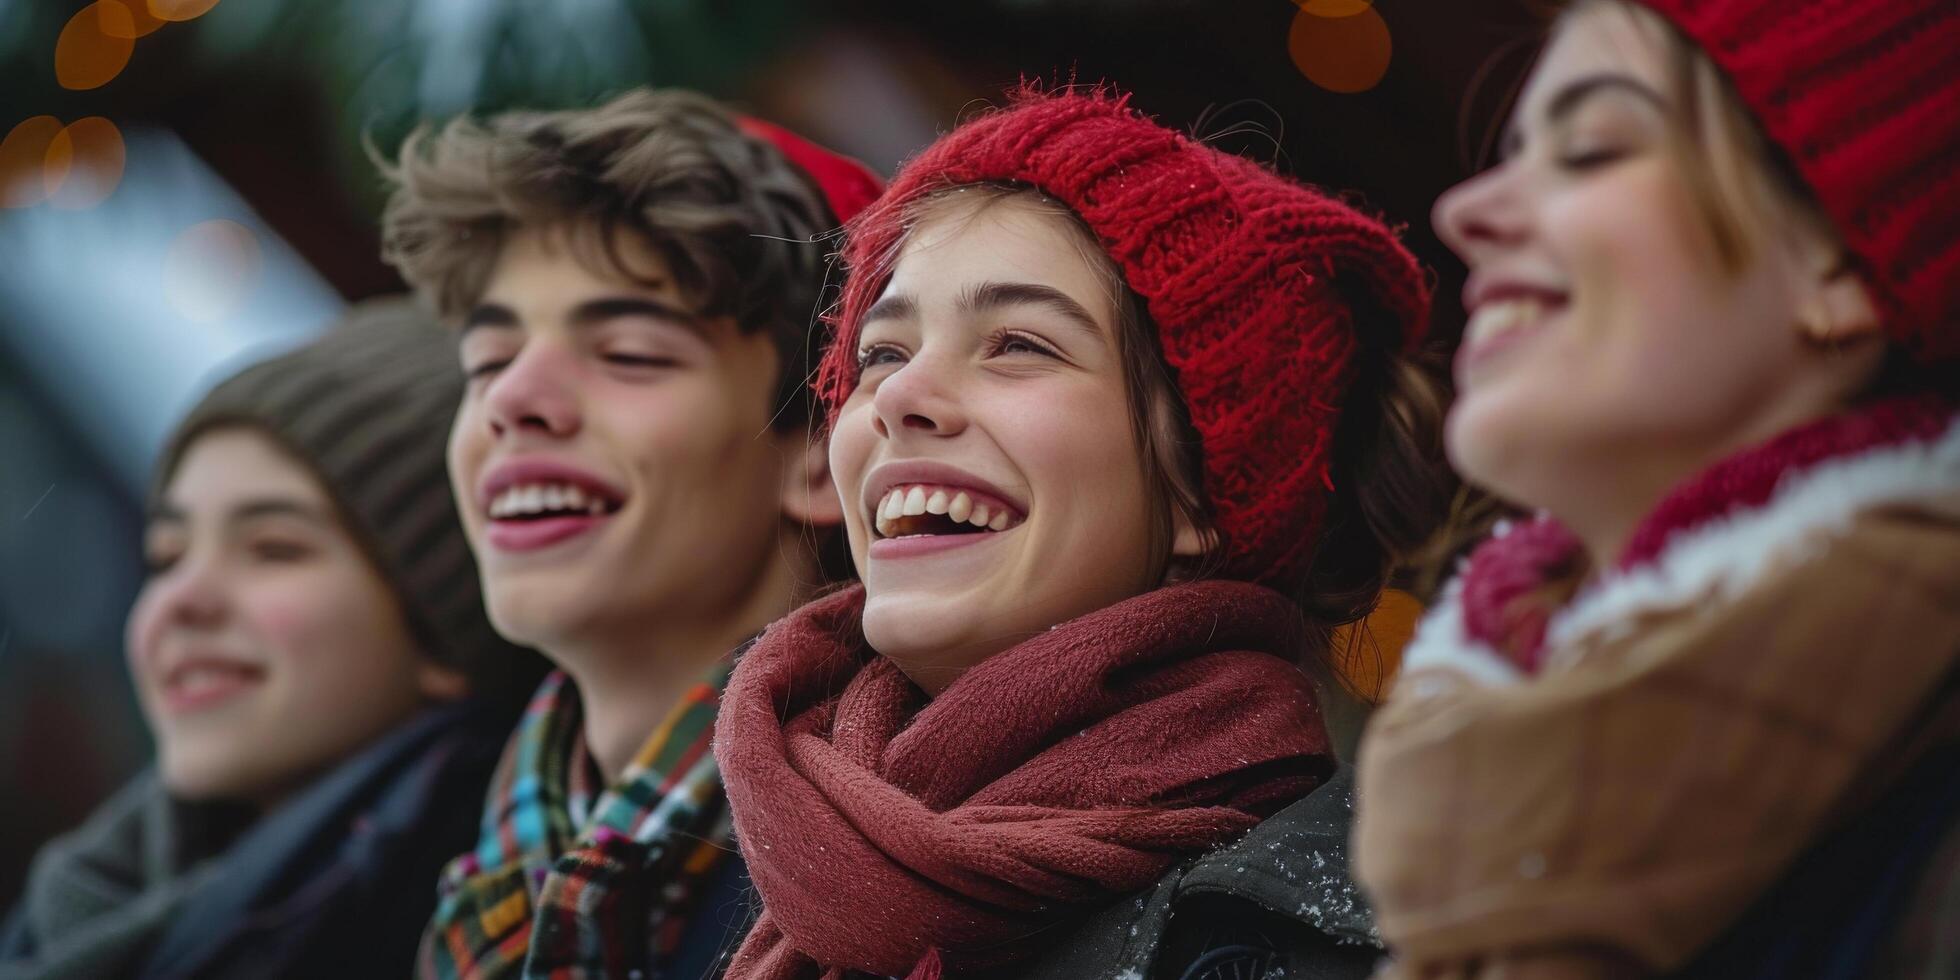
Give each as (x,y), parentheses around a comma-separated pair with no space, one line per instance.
(1098,396)
(1701,716)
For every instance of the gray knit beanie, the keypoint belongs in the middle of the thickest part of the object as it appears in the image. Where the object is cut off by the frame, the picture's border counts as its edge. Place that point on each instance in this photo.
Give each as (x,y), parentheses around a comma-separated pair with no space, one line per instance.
(367,407)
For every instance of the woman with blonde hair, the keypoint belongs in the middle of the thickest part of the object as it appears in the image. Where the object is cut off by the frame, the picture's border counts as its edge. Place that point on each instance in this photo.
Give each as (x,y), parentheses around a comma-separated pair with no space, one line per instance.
(1700,716)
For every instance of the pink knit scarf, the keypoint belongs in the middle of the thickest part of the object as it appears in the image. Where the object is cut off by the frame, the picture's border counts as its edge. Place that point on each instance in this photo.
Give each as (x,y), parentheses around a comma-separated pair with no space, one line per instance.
(887,833)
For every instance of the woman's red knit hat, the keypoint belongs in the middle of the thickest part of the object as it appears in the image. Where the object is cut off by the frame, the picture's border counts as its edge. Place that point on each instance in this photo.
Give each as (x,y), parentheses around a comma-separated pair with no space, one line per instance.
(1262,291)
(1864,96)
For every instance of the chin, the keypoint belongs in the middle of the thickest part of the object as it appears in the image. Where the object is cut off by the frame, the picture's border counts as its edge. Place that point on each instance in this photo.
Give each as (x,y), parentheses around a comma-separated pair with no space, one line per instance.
(907,628)
(194,782)
(530,615)
(1485,437)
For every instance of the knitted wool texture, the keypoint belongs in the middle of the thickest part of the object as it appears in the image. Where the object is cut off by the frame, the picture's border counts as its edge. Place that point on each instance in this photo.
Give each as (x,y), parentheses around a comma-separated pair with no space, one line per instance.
(884,830)
(1262,291)
(366,408)
(1864,97)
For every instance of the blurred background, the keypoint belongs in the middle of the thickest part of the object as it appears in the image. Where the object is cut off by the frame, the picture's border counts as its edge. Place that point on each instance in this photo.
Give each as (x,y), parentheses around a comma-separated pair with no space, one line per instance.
(183,187)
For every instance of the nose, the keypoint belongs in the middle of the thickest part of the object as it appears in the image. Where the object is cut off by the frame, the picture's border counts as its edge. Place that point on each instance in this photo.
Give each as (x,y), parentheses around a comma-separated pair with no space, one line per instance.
(918,398)
(190,595)
(534,393)
(1481,215)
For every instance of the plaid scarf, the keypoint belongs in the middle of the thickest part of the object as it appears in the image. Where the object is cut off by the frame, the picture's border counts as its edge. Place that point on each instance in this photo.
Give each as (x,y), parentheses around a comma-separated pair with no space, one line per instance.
(574,879)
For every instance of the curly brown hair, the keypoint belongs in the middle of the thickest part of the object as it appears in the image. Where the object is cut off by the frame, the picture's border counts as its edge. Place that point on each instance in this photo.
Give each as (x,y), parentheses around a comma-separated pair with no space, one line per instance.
(741,228)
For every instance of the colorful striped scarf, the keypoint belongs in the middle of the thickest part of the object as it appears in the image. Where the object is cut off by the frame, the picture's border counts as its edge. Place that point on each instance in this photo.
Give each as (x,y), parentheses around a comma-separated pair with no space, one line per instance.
(573,878)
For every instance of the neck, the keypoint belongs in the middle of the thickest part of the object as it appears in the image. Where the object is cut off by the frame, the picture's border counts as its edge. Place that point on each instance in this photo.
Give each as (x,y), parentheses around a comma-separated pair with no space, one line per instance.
(1605,504)
(632,676)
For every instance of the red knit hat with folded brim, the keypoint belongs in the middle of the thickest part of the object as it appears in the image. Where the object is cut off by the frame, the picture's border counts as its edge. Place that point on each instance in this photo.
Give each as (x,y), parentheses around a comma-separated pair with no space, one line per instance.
(1864,97)
(1263,291)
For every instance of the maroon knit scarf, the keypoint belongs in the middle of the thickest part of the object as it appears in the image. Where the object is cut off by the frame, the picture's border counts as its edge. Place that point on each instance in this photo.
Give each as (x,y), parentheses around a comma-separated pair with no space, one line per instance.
(887,832)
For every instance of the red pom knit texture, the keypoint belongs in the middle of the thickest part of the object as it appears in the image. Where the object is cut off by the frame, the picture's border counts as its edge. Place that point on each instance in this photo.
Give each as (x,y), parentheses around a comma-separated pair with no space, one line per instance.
(1864,96)
(1262,290)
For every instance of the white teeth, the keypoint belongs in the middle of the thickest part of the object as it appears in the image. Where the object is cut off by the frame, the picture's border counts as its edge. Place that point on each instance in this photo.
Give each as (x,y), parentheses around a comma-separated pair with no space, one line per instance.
(957,505)
(1503,316)
(540,498)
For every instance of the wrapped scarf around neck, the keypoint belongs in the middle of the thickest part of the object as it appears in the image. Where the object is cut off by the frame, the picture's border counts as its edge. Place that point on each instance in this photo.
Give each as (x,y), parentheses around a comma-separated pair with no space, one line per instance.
(887,832)
(1601,788)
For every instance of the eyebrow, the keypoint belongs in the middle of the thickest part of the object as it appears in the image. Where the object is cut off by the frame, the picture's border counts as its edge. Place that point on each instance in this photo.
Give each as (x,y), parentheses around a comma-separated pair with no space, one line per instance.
(1576,93)
(588,313)
(997,295)
(987,296)
(251,509)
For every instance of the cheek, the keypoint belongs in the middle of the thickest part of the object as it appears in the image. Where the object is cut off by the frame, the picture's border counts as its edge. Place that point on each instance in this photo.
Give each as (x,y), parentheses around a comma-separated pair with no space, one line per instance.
(1078,453)
(852,440)
(469,438)
(140,631)
(293,619)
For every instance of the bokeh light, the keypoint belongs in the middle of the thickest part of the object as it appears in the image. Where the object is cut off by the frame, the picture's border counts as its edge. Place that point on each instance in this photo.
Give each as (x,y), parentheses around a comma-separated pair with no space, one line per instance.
(141,21)
(84,163)
(180,9)
(211,269)
(23,161)
(1334,8)
(1341,54)
(95,45)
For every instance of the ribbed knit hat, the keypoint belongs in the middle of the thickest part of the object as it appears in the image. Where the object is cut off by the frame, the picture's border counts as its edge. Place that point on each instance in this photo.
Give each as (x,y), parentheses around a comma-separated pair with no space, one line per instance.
(1864,96)
(366,407)
(1262,290)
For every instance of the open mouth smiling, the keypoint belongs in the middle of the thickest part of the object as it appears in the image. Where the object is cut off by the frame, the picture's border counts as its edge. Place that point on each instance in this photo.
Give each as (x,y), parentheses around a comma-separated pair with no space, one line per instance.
(925,509)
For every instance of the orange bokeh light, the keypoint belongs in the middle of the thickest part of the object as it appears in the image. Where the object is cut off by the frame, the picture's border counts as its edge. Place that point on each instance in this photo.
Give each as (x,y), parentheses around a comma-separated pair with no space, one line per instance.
(141,22)
(84,164)
(180,9)
(1334,8)
(23,161)
(1341,54)
(95,45)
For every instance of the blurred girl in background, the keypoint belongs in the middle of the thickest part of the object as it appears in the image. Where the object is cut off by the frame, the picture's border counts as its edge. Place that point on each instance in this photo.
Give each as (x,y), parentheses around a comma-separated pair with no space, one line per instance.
(312,656)
(1700,716)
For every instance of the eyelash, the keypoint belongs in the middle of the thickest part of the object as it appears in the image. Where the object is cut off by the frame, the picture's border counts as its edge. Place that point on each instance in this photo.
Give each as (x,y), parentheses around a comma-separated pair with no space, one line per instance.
(489,368)
(996,346)
(636,360)
(279,551)
(1590,159)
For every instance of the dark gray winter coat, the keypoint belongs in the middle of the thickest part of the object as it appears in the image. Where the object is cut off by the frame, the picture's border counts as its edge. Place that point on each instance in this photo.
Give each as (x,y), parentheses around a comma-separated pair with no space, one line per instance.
(1277,905)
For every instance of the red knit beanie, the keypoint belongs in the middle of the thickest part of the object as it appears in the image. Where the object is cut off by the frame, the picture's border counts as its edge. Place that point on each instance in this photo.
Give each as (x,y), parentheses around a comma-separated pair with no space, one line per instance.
(1864,96)
(1262,291)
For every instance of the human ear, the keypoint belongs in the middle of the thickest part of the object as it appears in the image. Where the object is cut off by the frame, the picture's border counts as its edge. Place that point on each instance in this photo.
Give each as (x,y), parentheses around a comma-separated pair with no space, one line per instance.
(1835,307)
(809,496)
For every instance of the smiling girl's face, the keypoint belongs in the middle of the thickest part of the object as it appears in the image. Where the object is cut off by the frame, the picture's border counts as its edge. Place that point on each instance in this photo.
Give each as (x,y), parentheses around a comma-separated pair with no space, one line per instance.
(992,482)
(265,647)
(1615,345)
